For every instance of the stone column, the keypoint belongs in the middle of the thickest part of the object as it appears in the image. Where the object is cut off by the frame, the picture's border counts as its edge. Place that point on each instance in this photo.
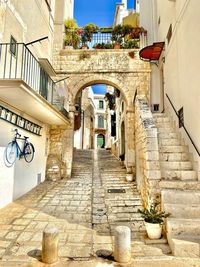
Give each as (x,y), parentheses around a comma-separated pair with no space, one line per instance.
(122,246)
(130,141)
(50,245)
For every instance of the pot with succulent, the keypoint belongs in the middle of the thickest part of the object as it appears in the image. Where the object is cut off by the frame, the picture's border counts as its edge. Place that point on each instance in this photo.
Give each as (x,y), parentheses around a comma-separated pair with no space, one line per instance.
(71,38)
(153,219)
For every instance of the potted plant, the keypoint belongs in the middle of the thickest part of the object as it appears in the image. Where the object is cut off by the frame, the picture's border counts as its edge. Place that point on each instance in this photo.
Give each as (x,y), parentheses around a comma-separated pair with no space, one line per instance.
(86,34)
(71,37)
(153,219)
(117,36)
(131,43)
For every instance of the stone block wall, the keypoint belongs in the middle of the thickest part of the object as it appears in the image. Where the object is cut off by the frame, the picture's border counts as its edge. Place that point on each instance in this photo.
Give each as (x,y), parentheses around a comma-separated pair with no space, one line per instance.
(59,162)
(148,172)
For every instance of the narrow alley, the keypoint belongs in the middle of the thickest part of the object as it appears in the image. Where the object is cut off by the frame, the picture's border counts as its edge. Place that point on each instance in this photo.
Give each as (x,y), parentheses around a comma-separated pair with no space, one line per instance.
(85,209)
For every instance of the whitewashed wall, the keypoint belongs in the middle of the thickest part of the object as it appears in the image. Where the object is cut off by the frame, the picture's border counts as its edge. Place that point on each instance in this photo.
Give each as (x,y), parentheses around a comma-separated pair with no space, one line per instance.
(23,176)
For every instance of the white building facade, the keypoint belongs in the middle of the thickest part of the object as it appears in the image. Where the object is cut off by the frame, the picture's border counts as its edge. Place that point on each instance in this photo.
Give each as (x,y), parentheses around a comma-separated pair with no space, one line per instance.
(29,97)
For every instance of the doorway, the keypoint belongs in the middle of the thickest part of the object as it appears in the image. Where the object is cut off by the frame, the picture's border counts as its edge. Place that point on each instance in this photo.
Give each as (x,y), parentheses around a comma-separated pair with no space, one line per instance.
(100,141)
(123,146)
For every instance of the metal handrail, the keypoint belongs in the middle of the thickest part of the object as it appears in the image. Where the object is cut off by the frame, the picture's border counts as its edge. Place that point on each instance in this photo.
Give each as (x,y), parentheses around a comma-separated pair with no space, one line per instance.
(183,126)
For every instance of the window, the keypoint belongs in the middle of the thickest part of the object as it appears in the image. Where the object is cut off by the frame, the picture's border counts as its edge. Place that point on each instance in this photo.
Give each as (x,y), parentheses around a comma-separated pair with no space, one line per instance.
(100,121)
(13,46)
(155,107)
(169,34)
(101,104)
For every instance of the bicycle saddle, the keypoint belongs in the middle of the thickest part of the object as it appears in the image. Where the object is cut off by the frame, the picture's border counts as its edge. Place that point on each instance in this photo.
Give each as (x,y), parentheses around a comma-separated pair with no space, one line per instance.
(26,137)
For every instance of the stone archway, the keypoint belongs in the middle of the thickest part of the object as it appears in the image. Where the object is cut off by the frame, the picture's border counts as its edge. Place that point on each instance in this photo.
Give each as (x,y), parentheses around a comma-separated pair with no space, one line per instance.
(111,67)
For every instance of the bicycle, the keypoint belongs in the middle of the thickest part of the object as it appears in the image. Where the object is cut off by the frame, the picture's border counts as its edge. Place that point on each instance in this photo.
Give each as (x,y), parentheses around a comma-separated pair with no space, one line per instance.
(13,150)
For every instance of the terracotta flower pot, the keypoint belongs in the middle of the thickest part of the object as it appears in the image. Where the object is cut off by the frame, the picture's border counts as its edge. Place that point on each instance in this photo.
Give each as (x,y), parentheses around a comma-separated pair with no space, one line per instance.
(117,46)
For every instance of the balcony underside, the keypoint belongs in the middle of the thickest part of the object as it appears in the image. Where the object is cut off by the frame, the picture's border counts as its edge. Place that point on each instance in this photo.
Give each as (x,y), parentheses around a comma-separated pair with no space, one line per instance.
(19,95)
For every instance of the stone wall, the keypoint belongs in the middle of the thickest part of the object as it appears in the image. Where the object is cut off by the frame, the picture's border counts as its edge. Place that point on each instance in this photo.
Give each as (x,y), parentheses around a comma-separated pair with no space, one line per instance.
(59,162)
(147,153)
(112,67)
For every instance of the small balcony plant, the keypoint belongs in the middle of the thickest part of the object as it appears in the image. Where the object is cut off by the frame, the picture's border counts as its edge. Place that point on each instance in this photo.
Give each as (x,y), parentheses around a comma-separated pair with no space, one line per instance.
(86,34)
(71,38)
(153,219)
(117,36)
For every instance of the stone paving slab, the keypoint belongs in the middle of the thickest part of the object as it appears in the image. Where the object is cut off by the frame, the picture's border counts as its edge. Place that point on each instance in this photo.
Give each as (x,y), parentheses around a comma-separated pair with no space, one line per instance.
(82,210)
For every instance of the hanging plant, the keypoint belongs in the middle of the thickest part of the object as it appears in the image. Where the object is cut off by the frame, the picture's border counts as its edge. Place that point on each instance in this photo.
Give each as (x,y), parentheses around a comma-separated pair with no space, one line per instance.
(111,100)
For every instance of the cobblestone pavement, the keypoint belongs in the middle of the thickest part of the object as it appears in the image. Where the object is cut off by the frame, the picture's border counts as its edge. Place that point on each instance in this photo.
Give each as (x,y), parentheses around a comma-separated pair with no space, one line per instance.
(82,208)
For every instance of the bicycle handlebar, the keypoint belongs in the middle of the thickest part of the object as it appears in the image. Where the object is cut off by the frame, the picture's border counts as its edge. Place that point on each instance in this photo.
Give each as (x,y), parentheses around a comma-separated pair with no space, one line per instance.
(17,134)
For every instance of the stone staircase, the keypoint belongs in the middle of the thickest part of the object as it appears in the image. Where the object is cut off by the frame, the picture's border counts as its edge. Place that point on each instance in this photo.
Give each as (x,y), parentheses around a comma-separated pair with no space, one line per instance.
(180,193)
(122,207)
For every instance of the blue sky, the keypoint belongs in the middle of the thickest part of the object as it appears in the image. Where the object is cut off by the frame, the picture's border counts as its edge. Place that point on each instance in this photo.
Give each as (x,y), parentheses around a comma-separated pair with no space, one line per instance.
(99,89)
(99,12)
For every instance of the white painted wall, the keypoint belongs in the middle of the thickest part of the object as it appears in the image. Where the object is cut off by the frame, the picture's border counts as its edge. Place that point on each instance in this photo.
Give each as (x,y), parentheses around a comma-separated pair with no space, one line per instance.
(6,181)
(183,57)
(148,19)
(23,176)
(78,138)
(182,60)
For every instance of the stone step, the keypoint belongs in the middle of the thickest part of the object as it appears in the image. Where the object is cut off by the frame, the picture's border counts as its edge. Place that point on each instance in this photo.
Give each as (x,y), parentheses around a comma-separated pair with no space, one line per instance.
(173,149)
(175,156)
(184,211)
(169,142)
(158,115)
(183,237)
(178,227)
(161,119)
(166,130)
(176,165)
(183,185)
(179,175)
(173,196)
(164,125)
(172,135)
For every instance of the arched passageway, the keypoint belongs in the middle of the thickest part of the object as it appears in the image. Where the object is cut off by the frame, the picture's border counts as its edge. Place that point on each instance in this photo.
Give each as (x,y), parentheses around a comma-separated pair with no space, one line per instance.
(114,68)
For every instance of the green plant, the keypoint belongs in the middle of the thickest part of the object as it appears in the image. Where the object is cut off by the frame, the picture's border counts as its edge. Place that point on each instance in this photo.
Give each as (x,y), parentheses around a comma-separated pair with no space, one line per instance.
(103,46)
(131,43)
(84,55)
(153,215)
(70,24)
(117,34)
(111,100)
(106,29)
(126,30)
(108,46)
(71,37)
(87,31)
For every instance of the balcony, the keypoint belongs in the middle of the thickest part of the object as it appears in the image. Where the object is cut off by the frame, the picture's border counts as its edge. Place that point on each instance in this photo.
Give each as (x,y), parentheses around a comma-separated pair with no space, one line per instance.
(25,85)
(106,38)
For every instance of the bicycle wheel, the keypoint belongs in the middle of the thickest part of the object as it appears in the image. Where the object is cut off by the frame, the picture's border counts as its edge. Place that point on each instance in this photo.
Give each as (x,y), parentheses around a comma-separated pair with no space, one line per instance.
(29,152)
(10,154)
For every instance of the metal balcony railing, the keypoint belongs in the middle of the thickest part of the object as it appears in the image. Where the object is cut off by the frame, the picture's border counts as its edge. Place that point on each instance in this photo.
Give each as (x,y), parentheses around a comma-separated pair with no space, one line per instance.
(18,63)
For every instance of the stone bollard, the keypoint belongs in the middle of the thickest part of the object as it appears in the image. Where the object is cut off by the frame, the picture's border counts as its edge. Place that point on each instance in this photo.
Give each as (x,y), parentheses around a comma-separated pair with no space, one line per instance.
(122,246)
(50,245)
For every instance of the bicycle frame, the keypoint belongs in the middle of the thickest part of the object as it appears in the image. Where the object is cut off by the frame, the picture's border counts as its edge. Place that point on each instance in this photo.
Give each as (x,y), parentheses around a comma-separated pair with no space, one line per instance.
(19,150)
